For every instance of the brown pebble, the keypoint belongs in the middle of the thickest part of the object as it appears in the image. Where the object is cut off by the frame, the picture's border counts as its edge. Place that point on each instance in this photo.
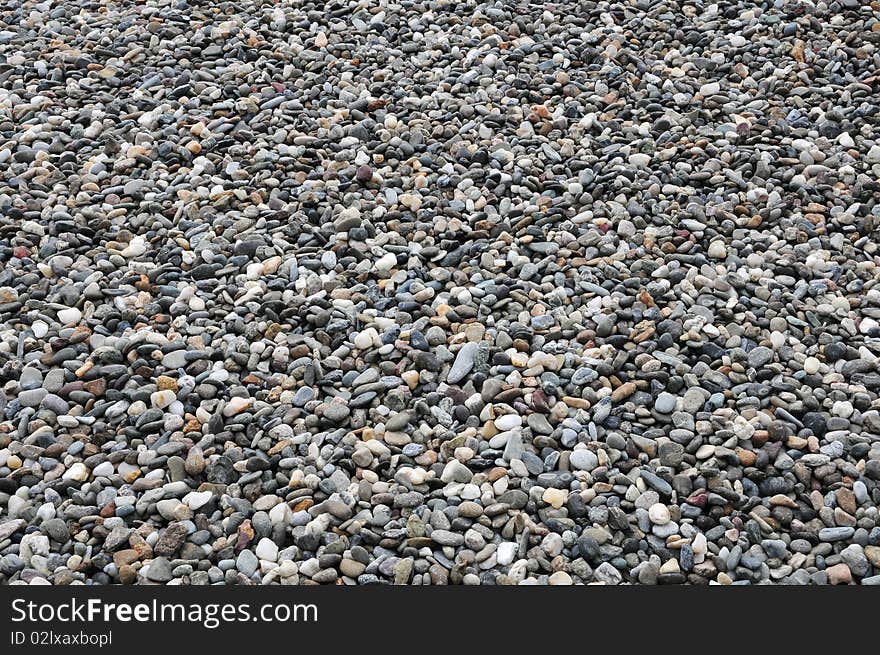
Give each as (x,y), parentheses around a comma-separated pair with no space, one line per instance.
(839,574)
(625,390)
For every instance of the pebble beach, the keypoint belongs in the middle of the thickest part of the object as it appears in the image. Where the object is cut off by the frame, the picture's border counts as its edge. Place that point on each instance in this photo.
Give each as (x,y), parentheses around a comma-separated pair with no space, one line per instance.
(439,293)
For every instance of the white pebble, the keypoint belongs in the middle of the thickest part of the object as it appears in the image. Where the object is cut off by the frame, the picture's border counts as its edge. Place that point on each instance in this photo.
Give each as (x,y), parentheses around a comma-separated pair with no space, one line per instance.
(266,550)
(506,552)
(717,250)
(197,499)
(78,472)
(69,316)
(555,497)
(659,514)
(103,469)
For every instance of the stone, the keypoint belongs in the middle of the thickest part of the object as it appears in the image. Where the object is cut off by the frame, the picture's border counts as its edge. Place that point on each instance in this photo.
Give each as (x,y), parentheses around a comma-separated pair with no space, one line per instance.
(665,403)
(760,356)
(717,250)
(159,570)
(69,316)
(554,497)
(811,366)
(607,574)
(839,574)
(78,472)
(659,514)
(266,550)
(195,500)
(247,563)
(583,460)
(296,296)
(464,362)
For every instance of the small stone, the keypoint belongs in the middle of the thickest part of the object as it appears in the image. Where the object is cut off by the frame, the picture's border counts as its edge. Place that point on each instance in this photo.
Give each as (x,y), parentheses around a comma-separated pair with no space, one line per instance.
(247,562)
(639,160)
(583,460)
(560,578)
(77,472)
(506,553)
(385,263)
(366,339)
(69,316)
(717,250)
(659,514)
(236,405)
(836,534)
(811,366)
(159,570)
(760,356)
(195,500)
(554,497)
(162,399)
(267,550)
(839,574)
(464,362)
(607,574)
(665,403)
(670,566)
(507,422)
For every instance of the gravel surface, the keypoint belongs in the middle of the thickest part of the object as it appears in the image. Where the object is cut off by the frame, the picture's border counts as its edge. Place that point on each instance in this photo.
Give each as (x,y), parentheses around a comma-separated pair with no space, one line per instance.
(439,292)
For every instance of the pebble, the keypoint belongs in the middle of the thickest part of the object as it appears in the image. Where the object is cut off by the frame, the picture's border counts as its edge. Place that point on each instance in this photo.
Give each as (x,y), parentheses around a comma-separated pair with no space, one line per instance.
(554,497)
(836,534)
(197,499)
(717,250)
(464,362)
(78,472)
(247,562)
(665,403)
(508,422)
(506,553)
(659,514)
(69,316)
(583,460)
(266,550)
